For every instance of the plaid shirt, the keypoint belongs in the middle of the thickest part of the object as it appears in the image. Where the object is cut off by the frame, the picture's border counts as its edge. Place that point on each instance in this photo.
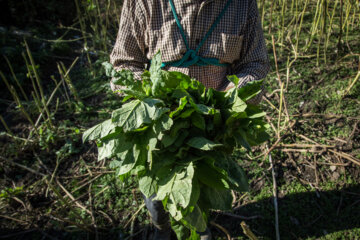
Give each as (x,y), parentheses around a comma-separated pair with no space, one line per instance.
(147,26)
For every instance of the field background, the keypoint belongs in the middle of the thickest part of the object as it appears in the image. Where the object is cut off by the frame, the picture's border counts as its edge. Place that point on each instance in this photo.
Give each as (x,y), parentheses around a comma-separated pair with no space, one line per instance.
(52,88)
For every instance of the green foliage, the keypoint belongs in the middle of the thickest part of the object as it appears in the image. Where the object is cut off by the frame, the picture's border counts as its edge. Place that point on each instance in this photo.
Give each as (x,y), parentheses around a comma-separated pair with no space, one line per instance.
(9,192)
(176,136)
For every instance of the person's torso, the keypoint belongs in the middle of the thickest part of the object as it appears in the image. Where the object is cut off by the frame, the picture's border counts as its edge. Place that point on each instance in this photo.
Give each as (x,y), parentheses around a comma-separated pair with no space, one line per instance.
(197,17)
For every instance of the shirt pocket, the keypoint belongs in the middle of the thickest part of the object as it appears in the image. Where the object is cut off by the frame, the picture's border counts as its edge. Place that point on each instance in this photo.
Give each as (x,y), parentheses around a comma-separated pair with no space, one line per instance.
(169,41)
(225,47)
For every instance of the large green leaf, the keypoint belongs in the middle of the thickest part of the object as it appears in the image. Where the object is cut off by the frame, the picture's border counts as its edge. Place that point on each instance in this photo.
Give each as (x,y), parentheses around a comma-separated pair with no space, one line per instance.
(136,113)
(99,131)
(162,161)
(196,219)
(168,140)
(198,120)
(151,147)
(256,137)
(176,131)
(180,230)
(238,105)
(108,149)
(172,80)
(175,211)
(182,187)
(112,145)
(163,124)
(241,139)
(124,77)
(220,199)
(147,185)
(237,177)
(201,108)
(182,103)
(132,156)
(202,143)
(209,175)
(250,90)
(156,76)
(178,186)
(180,139)
(179,125)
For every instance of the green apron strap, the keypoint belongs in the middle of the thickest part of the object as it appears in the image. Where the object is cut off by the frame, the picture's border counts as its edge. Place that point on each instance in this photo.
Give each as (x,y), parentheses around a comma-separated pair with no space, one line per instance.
(191,57)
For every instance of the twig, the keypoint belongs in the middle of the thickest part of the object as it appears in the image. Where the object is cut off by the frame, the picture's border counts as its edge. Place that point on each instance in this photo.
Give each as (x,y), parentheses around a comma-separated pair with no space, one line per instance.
(238,216)
(71,202)
(275,198)
(134,215)
(326,116)
(23,167)
(86,166)
(301,145)
(334,164)
(103,190)
(301,150)
(275,59)
(9,132)
(72,198)
(15,137)
(247,231)
(316,172)
(92,213)
(86,174)
(87,183)
(107,216)
(222,229)
(14,219)
(279,140)
(346,156)
(58,160)
(268,119)
(133,191)
(21,202)
(306,138)
(271,105)
(352,132)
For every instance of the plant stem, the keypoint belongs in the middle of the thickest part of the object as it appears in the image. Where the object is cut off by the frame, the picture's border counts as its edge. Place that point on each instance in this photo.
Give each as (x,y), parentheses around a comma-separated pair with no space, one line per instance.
(15,78)
(5,125)
(37,77)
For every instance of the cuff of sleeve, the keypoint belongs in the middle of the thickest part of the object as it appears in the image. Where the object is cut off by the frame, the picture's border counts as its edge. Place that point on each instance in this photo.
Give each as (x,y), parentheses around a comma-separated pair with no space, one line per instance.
(115,88)
(228,86)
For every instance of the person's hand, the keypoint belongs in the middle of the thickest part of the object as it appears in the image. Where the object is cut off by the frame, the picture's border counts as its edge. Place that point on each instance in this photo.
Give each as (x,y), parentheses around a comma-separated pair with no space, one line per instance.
(229,86)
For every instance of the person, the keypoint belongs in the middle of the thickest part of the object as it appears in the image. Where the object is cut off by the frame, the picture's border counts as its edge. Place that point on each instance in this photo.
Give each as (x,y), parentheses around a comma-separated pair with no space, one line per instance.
(205,39)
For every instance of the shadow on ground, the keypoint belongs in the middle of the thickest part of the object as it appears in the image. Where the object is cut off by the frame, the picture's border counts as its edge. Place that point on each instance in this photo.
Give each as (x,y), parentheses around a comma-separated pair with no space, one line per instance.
(301,216)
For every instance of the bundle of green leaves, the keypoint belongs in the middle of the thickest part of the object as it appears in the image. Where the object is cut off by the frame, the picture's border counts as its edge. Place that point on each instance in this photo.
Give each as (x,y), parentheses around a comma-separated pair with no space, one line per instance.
(177,137)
